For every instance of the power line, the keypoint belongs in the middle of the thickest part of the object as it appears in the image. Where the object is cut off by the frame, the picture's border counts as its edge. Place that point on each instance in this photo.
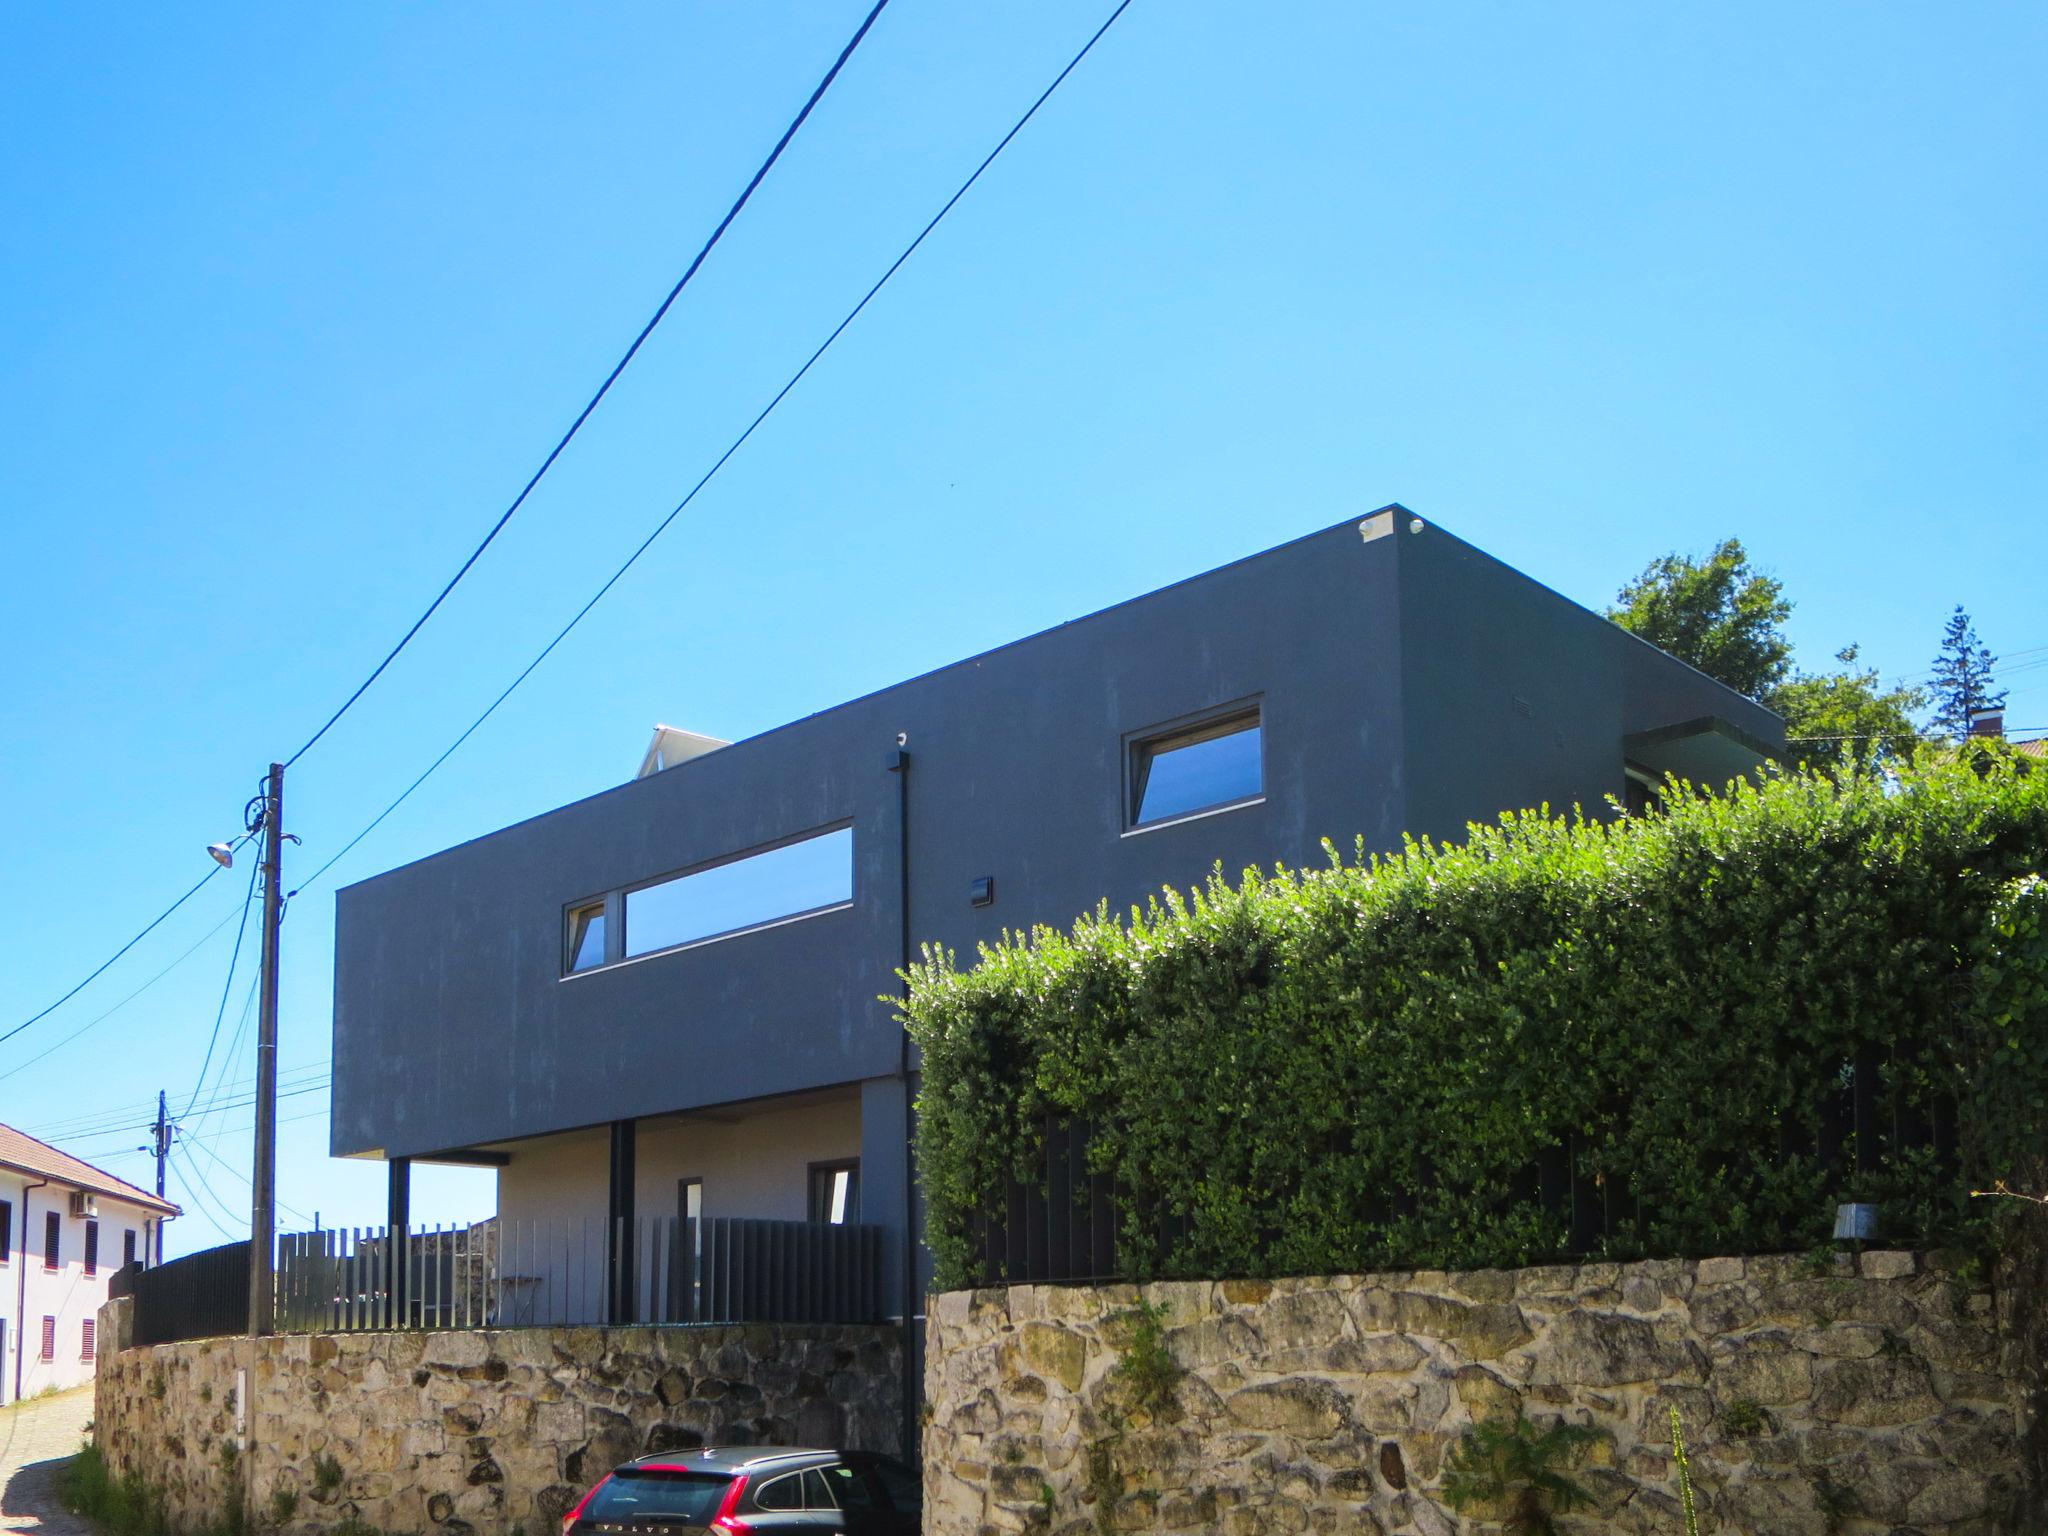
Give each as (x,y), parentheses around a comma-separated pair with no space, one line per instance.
(1894,735)
(297,1091)
(227,986)
(226,918)
(112,1147)
(243,1130)
(231,1168)
(1914,679)
(610,379)
(121,1123)
(117,954)
(220,1088)
(737,443)
(112,1118)
(211,1206)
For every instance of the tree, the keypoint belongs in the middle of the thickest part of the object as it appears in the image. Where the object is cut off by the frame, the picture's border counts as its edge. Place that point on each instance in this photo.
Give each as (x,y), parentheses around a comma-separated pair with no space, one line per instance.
(1847,715)
(1963,681)
(1726,618)
(1719,614)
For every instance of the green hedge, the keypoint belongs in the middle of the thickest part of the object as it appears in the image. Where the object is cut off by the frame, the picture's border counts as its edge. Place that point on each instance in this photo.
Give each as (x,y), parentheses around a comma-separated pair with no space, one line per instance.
(1362,1066)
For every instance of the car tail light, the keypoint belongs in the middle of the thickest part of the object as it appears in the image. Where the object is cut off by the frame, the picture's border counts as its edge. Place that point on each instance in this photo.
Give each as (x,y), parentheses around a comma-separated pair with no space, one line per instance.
(725,1519)
(583,1503)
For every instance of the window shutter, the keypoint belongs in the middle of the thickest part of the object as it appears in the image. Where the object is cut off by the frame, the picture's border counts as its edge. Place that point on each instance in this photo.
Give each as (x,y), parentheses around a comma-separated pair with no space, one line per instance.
(6,1230)
(85,1341)
(127,1247)
(53,1239)
(49,1338)
(92,1247)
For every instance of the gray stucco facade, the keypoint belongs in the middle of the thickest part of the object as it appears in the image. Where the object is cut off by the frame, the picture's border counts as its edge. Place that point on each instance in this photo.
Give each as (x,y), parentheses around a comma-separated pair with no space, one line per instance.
(1407,683)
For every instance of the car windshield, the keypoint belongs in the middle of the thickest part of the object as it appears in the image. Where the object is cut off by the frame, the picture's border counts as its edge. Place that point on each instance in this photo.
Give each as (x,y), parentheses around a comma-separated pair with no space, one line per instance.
(646,1496)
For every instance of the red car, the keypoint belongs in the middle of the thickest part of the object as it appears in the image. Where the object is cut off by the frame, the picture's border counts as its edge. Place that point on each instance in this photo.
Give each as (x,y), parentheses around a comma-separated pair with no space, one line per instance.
(754,1488)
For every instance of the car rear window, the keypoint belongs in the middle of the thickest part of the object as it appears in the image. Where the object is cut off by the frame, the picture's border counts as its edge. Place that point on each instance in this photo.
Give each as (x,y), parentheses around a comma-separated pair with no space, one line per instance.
(638,1496)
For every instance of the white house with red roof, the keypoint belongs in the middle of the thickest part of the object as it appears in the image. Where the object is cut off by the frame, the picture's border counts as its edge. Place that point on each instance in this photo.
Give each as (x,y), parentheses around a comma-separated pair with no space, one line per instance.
(65,1227)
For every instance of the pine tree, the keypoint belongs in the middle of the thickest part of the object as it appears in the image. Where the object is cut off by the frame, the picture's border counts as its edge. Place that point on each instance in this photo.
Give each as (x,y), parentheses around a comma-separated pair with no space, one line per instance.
(1963,681)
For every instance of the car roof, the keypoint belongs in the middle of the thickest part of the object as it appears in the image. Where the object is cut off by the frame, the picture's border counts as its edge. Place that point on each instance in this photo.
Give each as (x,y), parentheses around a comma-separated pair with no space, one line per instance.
(733,1459)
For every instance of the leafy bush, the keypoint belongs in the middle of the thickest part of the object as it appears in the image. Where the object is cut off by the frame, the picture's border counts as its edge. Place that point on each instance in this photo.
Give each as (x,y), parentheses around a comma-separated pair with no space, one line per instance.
(120,1506)
(1510,1473)
(1365,1066)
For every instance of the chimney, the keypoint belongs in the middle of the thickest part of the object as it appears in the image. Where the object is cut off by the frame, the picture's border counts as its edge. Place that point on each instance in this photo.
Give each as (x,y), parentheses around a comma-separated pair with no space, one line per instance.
(1987,720)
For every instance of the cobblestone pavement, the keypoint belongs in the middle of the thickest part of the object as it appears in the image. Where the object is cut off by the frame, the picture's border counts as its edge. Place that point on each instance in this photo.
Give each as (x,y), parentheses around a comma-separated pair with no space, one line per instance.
(36,1437)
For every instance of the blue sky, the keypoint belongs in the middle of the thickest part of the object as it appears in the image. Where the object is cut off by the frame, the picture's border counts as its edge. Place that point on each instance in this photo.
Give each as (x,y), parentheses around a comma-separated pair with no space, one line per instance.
(292,301)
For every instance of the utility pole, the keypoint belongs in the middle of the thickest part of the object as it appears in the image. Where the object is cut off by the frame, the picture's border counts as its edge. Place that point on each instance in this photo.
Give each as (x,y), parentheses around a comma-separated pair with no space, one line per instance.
(162,1144)
(263,1183)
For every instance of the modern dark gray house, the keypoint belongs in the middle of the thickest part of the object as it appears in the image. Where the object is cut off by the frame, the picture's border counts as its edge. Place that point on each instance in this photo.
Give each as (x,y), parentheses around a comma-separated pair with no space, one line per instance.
(662,1001)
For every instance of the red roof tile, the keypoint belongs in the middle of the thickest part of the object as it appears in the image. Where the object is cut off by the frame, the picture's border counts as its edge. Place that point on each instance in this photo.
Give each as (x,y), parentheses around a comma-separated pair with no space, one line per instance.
(24,1154)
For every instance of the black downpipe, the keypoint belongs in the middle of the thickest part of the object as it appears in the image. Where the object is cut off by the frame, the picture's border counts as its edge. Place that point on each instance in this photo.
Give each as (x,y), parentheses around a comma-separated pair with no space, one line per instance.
(398,1224)
(620,1289)
(899,764)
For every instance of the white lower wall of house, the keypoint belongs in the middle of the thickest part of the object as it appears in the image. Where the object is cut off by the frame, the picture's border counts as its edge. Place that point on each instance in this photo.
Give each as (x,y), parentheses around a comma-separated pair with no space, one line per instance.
(552,1196)
(30,1291)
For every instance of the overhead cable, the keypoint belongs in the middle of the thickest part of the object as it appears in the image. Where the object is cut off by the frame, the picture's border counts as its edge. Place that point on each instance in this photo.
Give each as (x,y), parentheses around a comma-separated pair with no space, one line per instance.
(735,446)
(226,918)
(227,986)
(609,380)
(151,927)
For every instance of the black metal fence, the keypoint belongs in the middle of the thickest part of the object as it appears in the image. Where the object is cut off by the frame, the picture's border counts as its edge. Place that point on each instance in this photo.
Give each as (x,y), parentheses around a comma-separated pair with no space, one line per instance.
(739,1270)
(340,1280)
(662,1271)
(1065,1223)
(1060,1228)
(201,1296)
(511,1274)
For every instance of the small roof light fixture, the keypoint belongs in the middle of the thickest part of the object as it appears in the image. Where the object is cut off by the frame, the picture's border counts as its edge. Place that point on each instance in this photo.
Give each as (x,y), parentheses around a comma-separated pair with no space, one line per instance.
(222,854)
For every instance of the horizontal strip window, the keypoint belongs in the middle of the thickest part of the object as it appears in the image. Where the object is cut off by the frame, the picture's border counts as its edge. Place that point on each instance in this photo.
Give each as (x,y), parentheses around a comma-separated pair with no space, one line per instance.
(799,879)
(1201,766)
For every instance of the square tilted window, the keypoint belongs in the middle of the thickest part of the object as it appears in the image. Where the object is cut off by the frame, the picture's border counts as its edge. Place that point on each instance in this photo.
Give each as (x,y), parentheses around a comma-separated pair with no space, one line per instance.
(1207,765)
(585,948)
(835,1192)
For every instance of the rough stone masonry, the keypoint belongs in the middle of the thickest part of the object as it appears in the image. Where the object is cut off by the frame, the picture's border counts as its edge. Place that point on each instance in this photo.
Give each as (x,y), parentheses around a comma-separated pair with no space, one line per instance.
(1817,1399)
(490,1431)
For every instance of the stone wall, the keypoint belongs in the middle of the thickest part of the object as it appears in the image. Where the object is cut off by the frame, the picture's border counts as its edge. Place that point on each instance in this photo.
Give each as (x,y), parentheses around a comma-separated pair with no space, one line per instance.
(1816,1401)
(470,1432)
